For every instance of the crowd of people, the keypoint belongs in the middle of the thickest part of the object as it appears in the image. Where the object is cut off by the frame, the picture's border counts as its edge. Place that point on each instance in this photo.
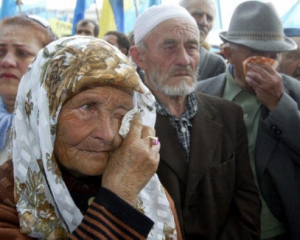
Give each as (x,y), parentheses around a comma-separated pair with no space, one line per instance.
(151,136)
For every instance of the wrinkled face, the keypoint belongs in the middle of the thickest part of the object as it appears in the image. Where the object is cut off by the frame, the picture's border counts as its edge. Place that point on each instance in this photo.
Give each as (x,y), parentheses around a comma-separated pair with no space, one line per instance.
(17,49)
(290,62)
(172,56)
(86,30)
(204,13)
(87,129)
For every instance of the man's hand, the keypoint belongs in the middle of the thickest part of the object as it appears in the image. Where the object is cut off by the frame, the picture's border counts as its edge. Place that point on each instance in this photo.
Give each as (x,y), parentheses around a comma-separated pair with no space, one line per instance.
(133,164)
(267,84)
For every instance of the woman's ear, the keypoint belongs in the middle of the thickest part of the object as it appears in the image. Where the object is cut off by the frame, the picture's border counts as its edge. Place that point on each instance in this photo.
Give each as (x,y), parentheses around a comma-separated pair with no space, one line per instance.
(138,57)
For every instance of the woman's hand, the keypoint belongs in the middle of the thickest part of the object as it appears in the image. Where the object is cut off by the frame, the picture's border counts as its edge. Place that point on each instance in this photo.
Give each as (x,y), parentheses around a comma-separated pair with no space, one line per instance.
(133,164)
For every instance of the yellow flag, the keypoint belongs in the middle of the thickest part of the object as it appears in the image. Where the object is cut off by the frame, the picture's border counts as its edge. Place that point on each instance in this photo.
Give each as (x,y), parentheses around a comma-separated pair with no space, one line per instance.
(107,19)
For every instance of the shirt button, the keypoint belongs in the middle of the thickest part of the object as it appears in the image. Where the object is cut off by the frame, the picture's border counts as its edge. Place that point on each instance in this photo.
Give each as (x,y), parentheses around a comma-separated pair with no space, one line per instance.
(273,128)
(278,132)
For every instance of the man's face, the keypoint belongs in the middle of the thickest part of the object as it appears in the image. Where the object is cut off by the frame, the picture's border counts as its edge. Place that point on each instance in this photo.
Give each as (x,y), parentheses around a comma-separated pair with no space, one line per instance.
(204,13)
(86,30)
(290,63)
(172,57)
(236,54)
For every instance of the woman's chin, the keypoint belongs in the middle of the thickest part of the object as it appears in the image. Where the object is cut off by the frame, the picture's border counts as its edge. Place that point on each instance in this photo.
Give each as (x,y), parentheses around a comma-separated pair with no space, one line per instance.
(89,167)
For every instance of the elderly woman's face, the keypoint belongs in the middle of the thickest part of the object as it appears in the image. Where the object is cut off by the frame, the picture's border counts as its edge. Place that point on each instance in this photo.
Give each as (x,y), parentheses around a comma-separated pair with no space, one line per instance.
(87,129)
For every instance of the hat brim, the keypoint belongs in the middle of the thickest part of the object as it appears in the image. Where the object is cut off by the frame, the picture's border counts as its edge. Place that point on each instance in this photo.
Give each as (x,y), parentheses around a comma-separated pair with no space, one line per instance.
(263,45)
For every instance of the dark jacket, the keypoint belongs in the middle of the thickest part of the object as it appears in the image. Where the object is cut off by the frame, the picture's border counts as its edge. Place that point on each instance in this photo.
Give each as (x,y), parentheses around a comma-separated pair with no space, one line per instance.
(214,193)
(277,153)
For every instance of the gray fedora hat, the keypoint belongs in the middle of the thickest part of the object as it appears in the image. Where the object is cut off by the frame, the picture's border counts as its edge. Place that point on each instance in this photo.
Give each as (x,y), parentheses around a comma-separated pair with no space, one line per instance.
(257,25)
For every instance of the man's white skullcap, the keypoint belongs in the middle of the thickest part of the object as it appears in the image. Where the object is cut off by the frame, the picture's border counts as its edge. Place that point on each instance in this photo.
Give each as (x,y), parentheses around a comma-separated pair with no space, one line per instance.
(155,15)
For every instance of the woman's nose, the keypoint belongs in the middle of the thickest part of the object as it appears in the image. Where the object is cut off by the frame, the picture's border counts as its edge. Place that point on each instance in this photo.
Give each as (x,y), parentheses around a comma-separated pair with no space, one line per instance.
(105,129)
(8,60)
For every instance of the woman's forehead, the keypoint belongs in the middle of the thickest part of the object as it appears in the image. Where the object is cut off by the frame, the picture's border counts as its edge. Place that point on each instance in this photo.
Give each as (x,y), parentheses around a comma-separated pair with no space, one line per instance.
(103,95)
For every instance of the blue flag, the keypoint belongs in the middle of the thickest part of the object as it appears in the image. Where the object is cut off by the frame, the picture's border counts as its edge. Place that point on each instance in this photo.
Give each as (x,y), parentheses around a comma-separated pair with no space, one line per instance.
(81,6)
(118,10)
(8,8)
(132,9)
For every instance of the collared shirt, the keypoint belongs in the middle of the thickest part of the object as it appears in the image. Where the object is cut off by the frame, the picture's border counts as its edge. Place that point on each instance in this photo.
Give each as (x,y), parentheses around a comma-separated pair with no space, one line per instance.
(183,124)
(270,226)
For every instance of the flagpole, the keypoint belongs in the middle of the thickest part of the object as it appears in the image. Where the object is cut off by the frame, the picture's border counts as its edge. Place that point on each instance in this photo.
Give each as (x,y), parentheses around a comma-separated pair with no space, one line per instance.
(220,14)
(19,7)
(96,9)
(136,8)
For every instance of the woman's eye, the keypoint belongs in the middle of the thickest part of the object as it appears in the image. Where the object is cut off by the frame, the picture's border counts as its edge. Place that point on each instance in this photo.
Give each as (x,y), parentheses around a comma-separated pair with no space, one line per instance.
(88,107)
(24,54)
(2,53)
(120,113)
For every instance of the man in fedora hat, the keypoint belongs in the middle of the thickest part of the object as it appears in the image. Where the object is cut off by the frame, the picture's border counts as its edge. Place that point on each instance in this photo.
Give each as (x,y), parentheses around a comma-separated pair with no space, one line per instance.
(271,103)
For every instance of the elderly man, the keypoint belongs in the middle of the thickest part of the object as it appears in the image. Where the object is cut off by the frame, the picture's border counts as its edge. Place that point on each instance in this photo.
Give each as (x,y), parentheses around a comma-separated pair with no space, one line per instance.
(271,112)
(204,163)
(204,12)
(290,61)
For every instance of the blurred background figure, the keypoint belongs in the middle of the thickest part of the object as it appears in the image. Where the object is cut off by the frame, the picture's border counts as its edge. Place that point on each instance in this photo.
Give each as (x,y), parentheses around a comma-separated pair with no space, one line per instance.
(21,38)
(204,12)
(290,61)
(87,27)
(119,40)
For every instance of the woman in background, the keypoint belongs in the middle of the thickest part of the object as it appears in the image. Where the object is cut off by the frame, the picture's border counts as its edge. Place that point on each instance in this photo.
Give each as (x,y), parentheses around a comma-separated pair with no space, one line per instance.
(21,38)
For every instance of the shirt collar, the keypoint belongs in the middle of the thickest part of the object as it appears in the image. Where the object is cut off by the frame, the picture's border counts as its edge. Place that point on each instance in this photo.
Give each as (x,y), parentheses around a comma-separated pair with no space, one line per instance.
(189,112)
(232,89)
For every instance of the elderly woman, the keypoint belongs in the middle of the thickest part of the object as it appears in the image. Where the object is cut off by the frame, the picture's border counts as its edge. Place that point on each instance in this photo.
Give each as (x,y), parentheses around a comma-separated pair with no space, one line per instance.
(21,38)
(75,176)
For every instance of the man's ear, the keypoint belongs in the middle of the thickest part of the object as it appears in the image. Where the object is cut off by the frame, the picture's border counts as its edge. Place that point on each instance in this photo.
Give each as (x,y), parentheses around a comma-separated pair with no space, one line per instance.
(227,52)
(138,57)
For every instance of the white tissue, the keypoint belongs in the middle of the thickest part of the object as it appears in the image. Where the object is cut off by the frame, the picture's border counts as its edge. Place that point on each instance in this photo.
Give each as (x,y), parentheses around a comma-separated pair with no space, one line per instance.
(143,104)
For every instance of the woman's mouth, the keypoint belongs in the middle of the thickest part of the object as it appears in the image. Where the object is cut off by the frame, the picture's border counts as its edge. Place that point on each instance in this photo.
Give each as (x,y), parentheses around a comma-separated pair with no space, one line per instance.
(8,75)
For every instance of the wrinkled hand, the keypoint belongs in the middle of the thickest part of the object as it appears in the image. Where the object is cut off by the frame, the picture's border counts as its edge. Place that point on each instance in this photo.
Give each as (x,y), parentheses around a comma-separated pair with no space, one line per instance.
(133,164)
(267,84)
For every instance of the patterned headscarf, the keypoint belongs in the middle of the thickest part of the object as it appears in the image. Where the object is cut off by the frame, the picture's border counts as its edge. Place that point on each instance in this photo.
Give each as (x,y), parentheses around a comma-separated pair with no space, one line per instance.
(61,69)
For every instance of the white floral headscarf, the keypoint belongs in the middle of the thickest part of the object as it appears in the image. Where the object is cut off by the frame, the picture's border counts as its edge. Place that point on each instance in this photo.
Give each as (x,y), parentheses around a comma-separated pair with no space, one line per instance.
(44,204)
